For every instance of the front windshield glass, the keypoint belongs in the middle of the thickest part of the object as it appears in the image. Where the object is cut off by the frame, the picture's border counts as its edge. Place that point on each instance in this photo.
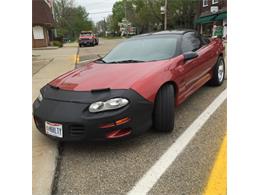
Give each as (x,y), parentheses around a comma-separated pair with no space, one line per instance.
(86,34)
(144,49)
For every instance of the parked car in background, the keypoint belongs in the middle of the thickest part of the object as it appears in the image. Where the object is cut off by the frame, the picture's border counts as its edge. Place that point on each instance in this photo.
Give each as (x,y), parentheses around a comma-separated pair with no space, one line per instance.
(88,38)
(66,40)
(136,86)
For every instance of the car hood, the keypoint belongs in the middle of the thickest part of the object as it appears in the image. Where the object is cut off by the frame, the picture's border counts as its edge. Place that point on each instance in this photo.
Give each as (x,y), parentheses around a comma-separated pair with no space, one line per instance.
(94,76)
(86,37)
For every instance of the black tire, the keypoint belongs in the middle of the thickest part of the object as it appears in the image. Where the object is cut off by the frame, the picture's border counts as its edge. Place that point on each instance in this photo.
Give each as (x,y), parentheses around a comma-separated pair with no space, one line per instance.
(216,79)
(80,45)
(163,115)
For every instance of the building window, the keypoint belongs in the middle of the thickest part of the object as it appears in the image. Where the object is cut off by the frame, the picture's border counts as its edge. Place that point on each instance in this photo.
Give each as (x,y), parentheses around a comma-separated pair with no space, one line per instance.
(205,3)
(214,1)
(38,32)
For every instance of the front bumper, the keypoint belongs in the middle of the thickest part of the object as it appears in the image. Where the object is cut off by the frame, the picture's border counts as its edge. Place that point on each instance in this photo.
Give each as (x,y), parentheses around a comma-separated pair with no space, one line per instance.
(86,42)
(70,108)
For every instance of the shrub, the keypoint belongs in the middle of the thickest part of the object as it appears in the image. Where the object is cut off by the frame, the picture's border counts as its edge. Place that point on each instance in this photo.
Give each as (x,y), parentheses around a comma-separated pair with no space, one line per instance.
(57,43)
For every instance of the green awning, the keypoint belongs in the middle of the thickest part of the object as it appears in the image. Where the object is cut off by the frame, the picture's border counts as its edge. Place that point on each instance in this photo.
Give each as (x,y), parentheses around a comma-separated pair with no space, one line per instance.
(221,16)
(205,19)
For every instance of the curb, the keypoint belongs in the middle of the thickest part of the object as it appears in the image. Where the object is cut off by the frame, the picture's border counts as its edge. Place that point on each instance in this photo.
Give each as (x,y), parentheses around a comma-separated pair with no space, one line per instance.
(55,178)
(45,48)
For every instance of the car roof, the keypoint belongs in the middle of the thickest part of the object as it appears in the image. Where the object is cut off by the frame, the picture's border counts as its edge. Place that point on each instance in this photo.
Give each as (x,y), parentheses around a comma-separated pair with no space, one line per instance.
(86,32)
(166,32)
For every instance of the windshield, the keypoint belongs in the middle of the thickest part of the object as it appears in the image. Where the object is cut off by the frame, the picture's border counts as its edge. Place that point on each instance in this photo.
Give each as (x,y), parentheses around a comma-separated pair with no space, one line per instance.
(86,34)
(142,50)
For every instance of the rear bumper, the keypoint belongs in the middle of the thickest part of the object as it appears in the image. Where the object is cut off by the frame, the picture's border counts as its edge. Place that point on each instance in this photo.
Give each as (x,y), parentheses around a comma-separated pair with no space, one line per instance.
(79,124)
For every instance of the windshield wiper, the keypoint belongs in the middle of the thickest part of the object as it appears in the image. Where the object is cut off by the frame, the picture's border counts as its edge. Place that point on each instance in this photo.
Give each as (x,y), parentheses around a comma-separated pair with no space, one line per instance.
(101,60)
(126,61)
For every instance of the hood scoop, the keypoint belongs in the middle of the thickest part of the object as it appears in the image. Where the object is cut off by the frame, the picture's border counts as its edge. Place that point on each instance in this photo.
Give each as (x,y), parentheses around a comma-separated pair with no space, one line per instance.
(99,90)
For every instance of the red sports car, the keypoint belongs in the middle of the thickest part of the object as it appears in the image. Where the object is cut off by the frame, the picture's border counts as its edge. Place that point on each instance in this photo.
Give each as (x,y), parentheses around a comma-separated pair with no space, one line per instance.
(134,87)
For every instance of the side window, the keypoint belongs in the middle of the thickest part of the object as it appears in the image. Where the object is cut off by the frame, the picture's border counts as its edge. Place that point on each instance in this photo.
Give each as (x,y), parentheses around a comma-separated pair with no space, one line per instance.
(190,42)
(204,40)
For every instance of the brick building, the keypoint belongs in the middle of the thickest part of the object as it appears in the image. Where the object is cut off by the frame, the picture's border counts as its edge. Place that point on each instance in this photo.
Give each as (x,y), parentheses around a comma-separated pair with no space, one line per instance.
(42,23)
(211,13)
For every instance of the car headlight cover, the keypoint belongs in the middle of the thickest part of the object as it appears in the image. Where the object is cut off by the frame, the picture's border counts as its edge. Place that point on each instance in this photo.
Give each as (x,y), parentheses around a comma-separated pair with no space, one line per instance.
(111,104)
(40,97)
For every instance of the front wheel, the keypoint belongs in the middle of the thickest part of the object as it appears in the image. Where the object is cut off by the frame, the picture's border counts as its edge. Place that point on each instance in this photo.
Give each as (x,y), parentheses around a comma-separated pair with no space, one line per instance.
(218,74)
(163,116)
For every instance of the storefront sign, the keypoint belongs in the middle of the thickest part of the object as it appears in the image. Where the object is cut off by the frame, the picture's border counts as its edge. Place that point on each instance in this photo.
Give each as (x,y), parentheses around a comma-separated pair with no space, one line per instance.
(214,9)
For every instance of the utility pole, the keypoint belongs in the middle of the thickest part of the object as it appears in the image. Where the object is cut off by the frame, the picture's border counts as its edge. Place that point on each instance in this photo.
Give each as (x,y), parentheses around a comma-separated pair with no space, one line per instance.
(126,25)
(165,15)
(125,9)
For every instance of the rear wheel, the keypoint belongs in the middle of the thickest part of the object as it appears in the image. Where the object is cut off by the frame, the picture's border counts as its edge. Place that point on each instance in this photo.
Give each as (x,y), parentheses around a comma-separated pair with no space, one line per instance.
(163,116)
(218,73)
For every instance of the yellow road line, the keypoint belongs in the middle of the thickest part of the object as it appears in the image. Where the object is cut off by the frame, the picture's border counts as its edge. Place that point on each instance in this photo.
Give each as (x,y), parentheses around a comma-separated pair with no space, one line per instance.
(75,58)
(217,183)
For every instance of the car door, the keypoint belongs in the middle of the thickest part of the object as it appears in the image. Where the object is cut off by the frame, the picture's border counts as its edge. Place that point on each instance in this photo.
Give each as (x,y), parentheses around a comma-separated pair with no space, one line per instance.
(206,57)
(192,68)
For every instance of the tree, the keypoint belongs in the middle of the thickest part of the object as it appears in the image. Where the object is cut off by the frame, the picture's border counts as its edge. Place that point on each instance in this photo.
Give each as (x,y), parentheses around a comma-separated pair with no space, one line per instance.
(80,21)
(101,27)
(109,23)
(69,19)
(118,14)
(181,13)
(146,16)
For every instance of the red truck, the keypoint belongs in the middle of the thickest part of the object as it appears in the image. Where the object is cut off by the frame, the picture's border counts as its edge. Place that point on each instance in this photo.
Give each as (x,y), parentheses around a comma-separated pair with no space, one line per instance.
(87,38)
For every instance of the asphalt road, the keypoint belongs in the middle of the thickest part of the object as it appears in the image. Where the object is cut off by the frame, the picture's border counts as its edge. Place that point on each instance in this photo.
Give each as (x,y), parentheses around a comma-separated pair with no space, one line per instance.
(115,167)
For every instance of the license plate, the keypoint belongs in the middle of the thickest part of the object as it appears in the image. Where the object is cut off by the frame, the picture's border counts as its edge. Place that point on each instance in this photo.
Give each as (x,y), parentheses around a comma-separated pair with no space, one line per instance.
(54,129)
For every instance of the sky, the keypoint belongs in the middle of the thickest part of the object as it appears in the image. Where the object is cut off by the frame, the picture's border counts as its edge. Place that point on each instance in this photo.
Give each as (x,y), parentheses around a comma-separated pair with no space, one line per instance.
(97,9)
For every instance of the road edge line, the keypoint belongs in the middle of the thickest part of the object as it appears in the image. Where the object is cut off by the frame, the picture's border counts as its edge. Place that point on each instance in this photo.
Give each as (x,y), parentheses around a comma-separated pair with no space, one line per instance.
(217,181)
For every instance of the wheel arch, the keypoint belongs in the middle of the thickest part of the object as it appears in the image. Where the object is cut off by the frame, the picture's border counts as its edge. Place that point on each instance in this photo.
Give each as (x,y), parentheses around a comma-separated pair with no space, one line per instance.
(175,87)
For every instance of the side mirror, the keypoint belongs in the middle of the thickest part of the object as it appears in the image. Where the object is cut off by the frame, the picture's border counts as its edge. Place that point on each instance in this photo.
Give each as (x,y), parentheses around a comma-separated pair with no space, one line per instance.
(190,55)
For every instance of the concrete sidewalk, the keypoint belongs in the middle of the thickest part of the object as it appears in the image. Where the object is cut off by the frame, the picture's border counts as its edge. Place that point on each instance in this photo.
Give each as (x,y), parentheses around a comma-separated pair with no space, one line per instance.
(44,150)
